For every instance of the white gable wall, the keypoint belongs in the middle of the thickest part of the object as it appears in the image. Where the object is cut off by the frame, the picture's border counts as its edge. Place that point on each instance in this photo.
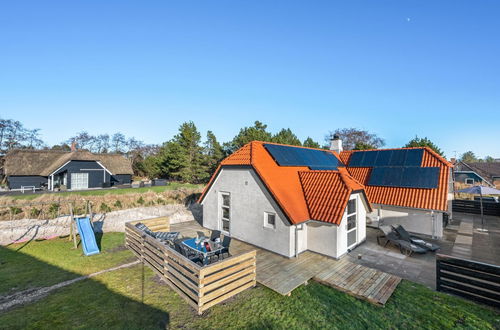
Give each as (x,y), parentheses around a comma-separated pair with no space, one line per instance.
(249,200)
(331,240)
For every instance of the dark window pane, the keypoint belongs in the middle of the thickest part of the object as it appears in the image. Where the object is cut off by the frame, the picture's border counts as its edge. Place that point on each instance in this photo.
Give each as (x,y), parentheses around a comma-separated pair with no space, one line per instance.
(351,206)
(351,222)
(225,213)
(225,225)
(225,200)
(271,219)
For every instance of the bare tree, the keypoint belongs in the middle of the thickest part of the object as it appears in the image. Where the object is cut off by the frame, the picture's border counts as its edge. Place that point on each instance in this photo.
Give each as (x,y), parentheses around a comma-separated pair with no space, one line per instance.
(353,138)
(118,142)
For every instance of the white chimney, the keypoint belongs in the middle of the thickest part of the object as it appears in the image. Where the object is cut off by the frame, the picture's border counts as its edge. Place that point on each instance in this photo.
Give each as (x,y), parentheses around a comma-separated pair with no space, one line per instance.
(336,143)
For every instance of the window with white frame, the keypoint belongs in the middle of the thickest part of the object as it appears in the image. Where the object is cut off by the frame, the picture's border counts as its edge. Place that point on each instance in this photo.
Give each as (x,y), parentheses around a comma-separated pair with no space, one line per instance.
(469,181)
(352,232)
(270,220)
(225,211)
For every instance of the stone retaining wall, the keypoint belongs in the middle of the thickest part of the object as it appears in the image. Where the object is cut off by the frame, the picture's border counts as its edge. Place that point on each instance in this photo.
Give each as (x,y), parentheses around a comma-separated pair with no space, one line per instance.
(28,229)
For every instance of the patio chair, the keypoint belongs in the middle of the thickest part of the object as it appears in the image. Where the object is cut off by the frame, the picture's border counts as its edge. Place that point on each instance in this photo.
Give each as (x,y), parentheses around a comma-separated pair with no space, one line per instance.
(145,229)
(215,234)
(226,242)
(415,239)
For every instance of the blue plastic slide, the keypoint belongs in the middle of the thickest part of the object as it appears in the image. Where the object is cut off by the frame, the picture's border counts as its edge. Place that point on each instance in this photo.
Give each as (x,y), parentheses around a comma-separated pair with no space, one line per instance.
(87,236)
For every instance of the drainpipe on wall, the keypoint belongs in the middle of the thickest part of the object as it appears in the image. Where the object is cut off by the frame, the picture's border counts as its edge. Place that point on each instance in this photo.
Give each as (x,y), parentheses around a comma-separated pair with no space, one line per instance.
(433,217)
(297,239)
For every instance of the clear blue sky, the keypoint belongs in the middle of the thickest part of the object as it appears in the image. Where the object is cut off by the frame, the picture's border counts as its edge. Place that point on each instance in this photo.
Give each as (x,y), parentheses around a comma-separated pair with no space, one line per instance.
(396,68)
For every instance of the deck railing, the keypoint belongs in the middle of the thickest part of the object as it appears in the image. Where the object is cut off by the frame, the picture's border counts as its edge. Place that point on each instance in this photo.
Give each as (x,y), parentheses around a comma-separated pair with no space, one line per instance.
(469,279)
(201,286)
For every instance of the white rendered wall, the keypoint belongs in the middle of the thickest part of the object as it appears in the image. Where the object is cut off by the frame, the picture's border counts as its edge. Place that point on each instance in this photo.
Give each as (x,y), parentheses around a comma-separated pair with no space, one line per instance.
(331,240)
(249,201)
(414,220)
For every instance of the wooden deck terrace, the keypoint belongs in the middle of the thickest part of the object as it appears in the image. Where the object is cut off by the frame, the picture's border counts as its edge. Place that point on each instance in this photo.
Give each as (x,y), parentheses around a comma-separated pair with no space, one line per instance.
(284,275)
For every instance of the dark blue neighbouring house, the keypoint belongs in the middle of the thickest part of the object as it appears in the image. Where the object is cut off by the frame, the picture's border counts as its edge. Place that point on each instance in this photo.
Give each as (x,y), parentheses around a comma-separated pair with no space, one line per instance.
(485,173)
(75,170)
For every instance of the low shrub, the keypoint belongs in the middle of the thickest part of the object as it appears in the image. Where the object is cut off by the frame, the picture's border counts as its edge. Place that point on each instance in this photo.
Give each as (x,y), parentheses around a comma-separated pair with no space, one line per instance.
(140,201)
(34,212)
(104,208)
(118,204)
(15,210)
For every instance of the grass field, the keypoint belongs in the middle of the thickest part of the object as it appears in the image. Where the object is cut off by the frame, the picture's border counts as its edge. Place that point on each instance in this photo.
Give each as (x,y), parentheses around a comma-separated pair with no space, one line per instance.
(116,191)
(136,298)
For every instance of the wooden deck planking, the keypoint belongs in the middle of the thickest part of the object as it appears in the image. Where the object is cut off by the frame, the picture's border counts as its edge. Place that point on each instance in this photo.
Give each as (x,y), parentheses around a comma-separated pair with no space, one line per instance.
(284,275)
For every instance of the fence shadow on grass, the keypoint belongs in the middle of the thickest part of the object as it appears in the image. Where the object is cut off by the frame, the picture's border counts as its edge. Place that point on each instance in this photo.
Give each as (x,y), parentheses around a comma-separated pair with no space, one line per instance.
(87,303)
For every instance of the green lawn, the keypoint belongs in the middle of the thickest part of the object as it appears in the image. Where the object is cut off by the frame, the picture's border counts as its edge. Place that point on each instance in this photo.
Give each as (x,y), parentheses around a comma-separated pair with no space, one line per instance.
(135,298)
(119,191)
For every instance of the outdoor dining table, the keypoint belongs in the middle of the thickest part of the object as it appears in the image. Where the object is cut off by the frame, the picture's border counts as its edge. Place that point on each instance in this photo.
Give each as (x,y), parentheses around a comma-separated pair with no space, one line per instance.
(199,248)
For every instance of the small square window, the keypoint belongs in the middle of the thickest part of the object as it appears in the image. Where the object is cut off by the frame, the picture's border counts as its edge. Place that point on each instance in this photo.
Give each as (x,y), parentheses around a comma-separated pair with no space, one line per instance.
(269,220)
(469,181)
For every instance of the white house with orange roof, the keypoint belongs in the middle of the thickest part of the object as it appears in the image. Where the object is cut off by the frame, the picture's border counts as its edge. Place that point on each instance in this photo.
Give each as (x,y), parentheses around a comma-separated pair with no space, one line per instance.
(287,199)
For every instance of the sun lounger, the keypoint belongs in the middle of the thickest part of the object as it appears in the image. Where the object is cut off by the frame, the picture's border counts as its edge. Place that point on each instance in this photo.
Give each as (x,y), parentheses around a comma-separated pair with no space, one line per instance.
(403,234)
(405,247)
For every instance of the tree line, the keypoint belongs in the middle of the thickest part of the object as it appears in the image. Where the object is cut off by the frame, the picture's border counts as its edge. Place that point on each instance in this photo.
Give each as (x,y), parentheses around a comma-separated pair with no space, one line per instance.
(187,157)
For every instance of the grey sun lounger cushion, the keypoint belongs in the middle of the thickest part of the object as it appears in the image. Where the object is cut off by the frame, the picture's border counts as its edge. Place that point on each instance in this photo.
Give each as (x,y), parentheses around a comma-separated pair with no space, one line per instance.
(145,229)
(415,239)
(167,236)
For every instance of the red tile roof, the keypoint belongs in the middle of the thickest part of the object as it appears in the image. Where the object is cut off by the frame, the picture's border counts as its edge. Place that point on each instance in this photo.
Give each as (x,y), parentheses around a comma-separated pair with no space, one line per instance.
(297,189)
(432,199)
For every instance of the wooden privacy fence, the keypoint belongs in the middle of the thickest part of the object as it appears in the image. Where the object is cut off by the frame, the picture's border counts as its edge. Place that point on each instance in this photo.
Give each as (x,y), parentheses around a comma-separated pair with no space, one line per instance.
(201,286)
(469,279)
(469,206)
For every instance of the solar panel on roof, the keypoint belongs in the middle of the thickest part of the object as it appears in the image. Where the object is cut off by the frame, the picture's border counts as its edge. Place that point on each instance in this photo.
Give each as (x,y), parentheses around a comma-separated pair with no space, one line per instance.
(398,158)
(356,159)
(296,156)
(370,158)
(323,168)
(383,158)
(406,177)
(414,157)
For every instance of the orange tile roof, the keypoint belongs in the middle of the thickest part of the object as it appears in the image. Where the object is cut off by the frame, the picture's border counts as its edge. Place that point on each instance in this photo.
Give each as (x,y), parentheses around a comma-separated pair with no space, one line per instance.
(327,193)
(289,189)
(431,199)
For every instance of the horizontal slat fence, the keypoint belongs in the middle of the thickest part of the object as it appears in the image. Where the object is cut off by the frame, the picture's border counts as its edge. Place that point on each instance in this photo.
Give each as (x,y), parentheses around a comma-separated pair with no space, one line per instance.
(201,286)
(469,206)
(469,279)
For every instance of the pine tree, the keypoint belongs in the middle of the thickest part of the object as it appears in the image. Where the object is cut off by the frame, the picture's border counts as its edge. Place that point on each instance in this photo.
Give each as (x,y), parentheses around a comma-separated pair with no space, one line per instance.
(214,152)
(423,142)
(182,158)
(310,143)
(286,136)
(258,132)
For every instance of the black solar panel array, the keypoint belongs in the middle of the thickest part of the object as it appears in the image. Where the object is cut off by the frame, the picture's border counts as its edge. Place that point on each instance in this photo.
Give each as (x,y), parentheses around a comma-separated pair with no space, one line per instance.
(377,158)
(295,156)
(405,176)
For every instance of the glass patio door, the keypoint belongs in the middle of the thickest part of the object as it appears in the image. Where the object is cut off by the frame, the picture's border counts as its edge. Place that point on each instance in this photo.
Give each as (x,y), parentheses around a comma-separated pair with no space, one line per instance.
(352,226)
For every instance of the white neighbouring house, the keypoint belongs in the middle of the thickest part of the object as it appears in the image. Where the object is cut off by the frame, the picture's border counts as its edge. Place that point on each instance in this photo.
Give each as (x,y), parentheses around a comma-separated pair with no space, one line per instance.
(289,199)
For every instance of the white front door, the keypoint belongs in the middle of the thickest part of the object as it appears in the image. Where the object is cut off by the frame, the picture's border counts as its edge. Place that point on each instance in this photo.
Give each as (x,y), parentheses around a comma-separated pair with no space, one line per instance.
(352,223)
(79,181)
(224,211)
